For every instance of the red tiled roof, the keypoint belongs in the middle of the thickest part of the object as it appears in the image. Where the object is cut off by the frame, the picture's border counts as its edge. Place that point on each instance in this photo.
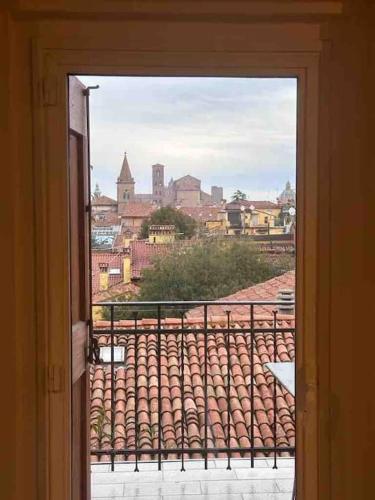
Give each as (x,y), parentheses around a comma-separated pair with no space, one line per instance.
(103,200)
(267,290)
(192,405)
(138,209)
(142,253)
(106,219)
(113,260)
(259,204)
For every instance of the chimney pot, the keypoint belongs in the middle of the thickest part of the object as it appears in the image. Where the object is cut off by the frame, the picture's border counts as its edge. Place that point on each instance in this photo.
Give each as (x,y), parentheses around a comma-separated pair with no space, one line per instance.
(286,296)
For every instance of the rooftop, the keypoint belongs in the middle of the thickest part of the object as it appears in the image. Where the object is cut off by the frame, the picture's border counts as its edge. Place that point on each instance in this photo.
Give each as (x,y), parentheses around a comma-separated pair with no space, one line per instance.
(103,200)
(138,209)
(267,290)
(143,252)
(114,262)
(138,378)
(257,204)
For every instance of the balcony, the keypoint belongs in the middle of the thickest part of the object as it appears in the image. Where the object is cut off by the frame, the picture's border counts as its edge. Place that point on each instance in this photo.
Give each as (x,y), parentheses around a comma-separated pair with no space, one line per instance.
(182,402)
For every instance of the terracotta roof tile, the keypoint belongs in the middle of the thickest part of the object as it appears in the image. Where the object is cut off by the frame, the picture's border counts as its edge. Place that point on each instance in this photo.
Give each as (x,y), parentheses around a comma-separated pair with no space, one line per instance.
(186,415)
(103,200)
(138,209)
(143,252)
(114,262)
(257,204)
(267,290)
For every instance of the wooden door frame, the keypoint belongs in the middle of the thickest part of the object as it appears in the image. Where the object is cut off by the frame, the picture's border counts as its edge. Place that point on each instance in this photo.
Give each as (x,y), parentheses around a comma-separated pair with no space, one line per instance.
(50,114)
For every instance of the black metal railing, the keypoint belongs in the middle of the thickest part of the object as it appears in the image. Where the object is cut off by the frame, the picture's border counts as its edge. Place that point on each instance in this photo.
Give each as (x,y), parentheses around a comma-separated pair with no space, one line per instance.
(178,380)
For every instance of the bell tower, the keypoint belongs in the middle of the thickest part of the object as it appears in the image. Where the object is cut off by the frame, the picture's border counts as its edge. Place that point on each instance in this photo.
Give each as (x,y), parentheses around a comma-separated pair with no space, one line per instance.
(158,184)
(125,186)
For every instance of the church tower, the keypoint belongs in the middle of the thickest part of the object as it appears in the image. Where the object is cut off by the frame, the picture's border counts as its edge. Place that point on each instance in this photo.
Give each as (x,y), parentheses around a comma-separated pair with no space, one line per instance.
(125,186)
(158,184)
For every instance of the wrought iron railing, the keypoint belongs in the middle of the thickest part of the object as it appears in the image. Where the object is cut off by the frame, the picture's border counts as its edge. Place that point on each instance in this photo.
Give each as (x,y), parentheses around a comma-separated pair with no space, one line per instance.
(178,380)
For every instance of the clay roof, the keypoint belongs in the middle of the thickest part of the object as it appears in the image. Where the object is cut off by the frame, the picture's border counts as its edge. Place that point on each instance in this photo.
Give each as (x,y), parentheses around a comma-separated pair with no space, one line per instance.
(138,209)
(114,262)
(106,219)
(142,254)
(267,290)
(258,204)
(103,200)
(192,405)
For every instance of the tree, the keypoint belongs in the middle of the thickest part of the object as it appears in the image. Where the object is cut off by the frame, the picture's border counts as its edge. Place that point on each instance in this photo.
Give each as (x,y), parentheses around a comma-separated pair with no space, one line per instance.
(207,271)
(185,225)
(239,195)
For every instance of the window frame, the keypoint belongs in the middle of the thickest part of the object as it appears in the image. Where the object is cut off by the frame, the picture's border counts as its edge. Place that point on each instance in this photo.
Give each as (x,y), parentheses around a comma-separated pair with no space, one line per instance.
(77,56)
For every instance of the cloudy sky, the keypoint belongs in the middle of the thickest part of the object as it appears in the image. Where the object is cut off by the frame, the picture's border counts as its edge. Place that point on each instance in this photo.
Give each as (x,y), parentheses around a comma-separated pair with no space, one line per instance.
(239,133)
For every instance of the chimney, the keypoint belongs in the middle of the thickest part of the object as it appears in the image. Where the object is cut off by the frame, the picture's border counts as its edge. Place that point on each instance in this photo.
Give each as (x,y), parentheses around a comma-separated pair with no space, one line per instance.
(286,296)
(126,266)
(103,276)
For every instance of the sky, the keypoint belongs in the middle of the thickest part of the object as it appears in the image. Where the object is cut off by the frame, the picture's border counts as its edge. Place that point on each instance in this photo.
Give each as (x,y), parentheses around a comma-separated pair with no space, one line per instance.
(239,133)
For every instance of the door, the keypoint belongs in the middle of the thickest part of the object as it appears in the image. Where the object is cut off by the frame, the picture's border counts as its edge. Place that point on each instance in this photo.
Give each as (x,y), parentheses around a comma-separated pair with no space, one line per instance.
(79,290)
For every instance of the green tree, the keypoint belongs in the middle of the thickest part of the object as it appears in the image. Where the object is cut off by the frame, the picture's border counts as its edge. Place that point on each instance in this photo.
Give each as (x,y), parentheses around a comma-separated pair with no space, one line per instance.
(185,225)
(239,195)
(208,270)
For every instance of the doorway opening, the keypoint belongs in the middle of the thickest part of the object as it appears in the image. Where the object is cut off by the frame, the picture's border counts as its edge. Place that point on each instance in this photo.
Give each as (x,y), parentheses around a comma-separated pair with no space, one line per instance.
(191,290)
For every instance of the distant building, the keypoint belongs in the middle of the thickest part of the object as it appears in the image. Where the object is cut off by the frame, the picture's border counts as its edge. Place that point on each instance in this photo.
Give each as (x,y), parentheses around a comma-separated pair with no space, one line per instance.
(125,186)
(133,208)
(287,196)
(185,191)
(162,233)
(253,217)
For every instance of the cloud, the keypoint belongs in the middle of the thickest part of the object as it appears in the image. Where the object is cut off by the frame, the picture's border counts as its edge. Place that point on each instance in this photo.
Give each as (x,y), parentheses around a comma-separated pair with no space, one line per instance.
(234,132)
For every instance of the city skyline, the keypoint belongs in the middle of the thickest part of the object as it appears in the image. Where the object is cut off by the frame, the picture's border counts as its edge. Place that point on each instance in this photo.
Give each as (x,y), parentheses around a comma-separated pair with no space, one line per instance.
(235,132)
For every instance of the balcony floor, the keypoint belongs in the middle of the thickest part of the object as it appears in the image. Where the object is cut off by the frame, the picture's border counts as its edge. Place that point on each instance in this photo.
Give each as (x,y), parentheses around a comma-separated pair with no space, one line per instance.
(241,483)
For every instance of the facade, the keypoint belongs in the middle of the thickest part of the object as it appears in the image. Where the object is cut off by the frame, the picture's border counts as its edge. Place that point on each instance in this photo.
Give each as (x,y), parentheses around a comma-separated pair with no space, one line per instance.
(135,213)
(253,217)
(162,233)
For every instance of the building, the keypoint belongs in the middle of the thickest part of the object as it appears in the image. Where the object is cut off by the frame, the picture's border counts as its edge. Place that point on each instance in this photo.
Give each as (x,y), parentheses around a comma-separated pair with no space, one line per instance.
(135,213)
(253,217)
(133,208)
(287,196)
(125,186)
(185,191)
(162,233)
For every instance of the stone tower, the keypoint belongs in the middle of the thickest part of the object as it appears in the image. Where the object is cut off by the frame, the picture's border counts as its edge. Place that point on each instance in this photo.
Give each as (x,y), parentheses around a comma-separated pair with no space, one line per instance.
(158,183)
(125,186)
(217,194)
